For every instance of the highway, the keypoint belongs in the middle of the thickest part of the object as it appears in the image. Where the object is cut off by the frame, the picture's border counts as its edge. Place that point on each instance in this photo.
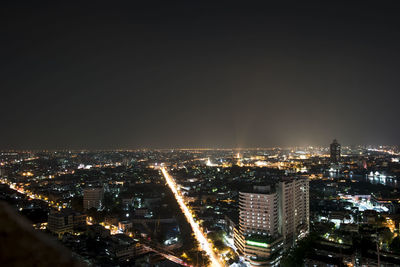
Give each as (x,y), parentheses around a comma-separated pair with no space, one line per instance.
(200,236)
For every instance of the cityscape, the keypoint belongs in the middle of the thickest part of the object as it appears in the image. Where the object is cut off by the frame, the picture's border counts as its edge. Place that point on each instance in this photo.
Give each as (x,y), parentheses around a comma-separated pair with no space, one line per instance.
(199,133)
(331,206)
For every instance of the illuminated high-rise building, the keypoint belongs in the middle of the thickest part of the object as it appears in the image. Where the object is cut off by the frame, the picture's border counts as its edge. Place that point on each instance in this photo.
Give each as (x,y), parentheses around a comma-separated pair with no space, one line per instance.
(335,151)
(294,208)
(257,238)
(269,218)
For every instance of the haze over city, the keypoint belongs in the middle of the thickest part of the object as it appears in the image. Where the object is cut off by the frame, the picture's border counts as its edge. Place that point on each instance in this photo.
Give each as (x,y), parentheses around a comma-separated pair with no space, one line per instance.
(161,74)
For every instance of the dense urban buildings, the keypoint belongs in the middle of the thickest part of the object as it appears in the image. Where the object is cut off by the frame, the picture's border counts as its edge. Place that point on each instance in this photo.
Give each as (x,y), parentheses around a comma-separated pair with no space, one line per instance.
(199,133)
(218,207)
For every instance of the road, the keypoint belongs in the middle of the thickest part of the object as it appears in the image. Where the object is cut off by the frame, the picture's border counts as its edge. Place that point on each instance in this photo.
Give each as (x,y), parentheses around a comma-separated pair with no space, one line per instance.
(162,251)
(148,244)
(200,236)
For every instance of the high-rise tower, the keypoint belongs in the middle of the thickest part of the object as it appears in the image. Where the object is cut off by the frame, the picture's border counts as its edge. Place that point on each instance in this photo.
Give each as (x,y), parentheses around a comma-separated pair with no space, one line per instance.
(270,217)
(294,208)
(335,151)
(257,237)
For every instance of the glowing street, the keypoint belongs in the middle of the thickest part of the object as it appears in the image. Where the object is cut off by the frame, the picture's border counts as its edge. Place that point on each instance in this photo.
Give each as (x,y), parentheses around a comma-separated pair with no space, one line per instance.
(204,244)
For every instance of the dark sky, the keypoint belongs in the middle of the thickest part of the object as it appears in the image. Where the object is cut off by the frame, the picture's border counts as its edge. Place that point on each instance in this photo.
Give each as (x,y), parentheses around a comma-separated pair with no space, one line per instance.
(162,74)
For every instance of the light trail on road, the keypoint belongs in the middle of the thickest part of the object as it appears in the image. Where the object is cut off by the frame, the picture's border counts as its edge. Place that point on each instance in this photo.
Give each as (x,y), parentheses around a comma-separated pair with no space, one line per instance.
(105,226)
(204,244)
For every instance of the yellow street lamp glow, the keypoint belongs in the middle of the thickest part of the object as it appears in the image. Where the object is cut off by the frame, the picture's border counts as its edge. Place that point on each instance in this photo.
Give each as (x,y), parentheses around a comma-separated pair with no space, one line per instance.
(205,245)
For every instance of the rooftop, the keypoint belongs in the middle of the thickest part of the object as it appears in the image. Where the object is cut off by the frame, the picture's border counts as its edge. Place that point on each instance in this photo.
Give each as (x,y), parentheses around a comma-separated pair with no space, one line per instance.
(23,246)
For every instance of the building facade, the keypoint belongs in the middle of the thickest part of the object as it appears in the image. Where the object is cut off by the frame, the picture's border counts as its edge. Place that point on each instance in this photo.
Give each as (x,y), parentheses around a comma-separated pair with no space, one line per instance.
(60,222)
(258,211)
(257,237)
(65,221)
(294,208)
(335,150)
(93,198)
(270,218)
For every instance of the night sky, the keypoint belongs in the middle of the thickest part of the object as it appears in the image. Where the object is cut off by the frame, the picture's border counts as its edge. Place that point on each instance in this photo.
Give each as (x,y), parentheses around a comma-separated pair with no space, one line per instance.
(164,74)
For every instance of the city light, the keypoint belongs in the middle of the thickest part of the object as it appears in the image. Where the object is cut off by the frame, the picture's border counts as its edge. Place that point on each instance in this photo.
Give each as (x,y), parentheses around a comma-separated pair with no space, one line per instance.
(257,244)
(205,245)
(234,215)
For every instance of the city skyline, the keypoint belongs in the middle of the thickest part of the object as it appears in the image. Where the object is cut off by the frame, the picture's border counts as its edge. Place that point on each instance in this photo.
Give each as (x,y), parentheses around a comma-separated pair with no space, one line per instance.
(255,207)
(326,146)
(199,133)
